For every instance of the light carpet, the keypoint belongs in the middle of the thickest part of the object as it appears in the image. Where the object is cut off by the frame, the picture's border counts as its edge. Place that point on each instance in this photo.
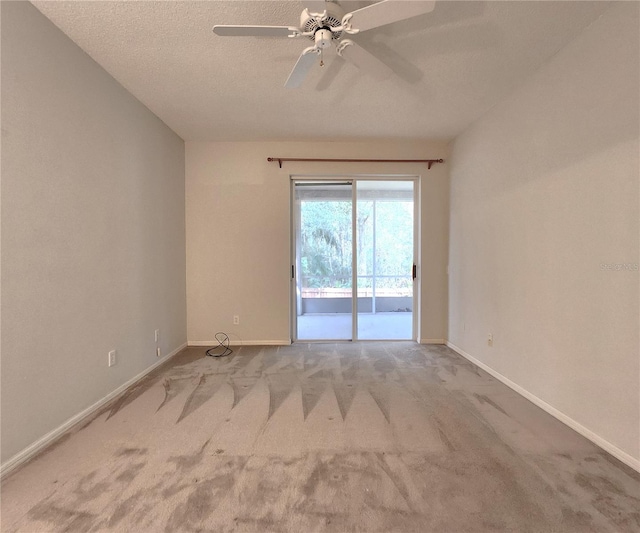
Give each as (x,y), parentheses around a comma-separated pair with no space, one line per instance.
(387,436)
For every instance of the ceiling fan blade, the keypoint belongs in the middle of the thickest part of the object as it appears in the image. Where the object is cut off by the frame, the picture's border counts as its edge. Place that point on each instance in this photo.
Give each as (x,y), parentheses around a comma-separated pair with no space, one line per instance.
(315,6)
(388,11)
(253,31)
(306,60)
(364,60)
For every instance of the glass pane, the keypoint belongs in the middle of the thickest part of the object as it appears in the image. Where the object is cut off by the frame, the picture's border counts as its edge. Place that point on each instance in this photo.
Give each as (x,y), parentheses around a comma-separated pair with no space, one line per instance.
(384,222)
(324,250)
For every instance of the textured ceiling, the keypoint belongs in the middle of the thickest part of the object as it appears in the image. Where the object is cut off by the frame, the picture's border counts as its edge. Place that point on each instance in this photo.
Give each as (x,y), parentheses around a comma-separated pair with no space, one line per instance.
(451,65)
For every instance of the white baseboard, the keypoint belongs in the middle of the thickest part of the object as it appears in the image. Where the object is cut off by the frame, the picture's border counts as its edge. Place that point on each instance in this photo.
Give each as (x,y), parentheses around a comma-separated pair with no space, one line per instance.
(565,419)
(432,341)
(284,342)
(31,450)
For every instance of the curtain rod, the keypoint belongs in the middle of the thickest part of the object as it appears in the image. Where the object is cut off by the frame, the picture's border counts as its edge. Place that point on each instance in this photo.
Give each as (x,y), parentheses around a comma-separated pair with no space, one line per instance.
(429,162)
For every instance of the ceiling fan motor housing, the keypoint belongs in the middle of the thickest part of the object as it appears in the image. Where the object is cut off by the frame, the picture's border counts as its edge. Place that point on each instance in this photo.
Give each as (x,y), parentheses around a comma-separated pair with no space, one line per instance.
(333,19)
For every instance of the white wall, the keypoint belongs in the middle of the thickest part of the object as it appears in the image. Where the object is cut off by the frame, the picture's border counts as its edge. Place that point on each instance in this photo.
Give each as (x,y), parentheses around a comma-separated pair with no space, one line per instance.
(544,190)
(238,230)
(93,245)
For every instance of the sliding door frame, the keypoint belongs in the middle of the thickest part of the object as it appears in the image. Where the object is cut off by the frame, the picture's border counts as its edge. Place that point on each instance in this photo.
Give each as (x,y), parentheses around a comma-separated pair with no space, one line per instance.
(352,179)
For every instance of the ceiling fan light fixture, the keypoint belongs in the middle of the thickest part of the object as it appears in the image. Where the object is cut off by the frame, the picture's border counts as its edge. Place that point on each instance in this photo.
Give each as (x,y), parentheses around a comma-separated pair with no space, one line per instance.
(323,38)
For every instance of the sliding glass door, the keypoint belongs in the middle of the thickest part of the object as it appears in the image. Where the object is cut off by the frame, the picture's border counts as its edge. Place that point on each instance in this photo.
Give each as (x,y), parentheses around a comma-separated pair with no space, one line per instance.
(385,253)
(324,260)
(353,233)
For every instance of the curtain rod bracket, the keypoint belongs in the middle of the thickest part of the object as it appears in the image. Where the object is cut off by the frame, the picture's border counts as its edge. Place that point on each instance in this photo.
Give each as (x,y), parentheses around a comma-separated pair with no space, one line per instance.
(429,162)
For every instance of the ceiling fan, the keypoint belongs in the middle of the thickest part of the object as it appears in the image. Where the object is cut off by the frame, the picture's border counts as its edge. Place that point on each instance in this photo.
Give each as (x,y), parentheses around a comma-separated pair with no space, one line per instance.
(324,23)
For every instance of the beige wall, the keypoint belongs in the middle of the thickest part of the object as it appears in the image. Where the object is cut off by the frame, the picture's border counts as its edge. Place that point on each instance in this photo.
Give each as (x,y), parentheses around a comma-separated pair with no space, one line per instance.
(544,190)
(93,249)
(238,231)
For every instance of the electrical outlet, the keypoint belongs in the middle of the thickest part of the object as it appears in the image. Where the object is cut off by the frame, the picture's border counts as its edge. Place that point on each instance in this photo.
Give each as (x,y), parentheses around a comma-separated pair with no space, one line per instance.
(112,357)
(157,335)
(236,320)
(490,339)
(158,353)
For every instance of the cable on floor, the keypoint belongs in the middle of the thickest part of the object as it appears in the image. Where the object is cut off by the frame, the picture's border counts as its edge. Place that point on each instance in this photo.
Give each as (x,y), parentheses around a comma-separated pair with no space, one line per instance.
(222,349)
